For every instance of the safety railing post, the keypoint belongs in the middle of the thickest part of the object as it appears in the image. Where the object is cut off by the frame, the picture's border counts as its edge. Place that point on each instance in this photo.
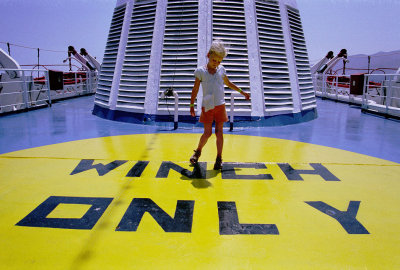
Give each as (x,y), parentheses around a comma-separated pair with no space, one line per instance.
(336,87)
(324,83)
(367,95)
(96,76)
(25,91)
(85,86)
(231,110)
(389,94)
(89,82)
(76,82)
(364,95)
(316,82)
(47,85)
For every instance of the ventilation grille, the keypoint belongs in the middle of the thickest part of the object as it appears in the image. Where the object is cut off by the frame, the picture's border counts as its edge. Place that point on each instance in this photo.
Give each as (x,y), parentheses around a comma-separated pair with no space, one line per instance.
(274,65)
(110,57)
(132,88)
(301,57)
(229,25)
(179,56)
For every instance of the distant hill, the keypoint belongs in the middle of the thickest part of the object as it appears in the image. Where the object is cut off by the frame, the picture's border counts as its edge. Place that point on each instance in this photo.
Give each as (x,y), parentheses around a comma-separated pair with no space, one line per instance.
(358,63)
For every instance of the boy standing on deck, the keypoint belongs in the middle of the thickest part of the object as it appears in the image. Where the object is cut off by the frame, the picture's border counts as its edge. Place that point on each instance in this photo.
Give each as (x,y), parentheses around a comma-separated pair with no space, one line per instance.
(212,78)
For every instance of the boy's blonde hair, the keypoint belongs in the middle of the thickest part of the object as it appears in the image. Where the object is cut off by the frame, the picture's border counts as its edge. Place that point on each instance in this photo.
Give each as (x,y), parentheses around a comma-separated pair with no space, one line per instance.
(218,48)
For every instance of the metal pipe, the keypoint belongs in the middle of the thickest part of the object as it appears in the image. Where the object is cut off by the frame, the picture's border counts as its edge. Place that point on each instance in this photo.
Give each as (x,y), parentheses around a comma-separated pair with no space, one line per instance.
(176,110)
(176,97)
(232,109)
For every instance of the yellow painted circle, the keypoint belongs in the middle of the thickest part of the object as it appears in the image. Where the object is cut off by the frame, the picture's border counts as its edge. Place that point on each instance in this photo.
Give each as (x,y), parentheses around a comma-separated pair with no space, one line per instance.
(343,214)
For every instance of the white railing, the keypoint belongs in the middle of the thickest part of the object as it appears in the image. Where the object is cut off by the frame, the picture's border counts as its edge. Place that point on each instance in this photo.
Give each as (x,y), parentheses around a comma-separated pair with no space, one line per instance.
(378,92)
(22,89)
(383,98)
(335,87)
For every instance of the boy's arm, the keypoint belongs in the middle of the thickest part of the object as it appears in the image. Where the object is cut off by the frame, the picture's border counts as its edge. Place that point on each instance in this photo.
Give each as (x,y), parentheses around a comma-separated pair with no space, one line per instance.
(234,87)
(195,90)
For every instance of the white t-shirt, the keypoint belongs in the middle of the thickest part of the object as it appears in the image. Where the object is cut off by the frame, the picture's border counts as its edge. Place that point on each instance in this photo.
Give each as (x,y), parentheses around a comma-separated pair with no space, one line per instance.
(213,86)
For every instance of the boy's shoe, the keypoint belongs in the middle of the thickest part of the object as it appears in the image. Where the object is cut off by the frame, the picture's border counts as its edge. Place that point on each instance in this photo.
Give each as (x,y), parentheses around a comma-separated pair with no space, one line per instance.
(195,156)
(218,163)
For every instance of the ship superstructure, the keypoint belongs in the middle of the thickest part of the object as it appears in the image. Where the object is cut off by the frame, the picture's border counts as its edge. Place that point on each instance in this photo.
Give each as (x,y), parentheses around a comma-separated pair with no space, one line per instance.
(154,46)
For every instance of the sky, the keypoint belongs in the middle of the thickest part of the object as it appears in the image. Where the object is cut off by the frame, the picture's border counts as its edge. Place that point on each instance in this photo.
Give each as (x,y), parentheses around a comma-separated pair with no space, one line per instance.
(360,26)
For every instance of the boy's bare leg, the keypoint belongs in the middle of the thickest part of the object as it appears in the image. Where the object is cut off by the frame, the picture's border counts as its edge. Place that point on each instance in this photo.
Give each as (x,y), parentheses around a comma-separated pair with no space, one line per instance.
(206,134)
(220,137)
(203,140)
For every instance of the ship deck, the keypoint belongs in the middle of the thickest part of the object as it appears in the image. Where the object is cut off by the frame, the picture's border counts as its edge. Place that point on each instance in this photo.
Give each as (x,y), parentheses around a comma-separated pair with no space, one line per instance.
(81,192)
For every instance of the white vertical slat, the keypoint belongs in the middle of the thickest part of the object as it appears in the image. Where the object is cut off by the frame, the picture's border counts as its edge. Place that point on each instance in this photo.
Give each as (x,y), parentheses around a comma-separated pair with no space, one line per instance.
(110,57)
(229,25)
(306,89)
(274,65)
(179,55)
(132,88)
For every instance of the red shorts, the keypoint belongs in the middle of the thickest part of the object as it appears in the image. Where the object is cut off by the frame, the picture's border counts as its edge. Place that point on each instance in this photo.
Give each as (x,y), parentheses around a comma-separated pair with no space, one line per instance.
(218,114)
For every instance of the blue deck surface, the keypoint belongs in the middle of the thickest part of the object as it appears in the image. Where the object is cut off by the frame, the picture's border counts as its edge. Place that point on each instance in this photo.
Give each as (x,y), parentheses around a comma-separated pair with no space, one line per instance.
(91,199)
(338,125)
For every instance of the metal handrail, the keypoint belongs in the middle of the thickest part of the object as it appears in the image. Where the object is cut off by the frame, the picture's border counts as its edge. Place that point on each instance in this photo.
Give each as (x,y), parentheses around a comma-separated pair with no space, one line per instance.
(24,91)
(383,98)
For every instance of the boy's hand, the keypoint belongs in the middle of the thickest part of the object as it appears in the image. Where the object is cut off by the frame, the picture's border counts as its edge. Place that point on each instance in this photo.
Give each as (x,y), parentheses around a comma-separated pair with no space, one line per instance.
(192,112)
(246,95)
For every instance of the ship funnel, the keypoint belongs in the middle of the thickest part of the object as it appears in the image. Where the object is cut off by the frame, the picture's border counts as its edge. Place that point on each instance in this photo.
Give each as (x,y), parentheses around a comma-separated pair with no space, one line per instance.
(155,45)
